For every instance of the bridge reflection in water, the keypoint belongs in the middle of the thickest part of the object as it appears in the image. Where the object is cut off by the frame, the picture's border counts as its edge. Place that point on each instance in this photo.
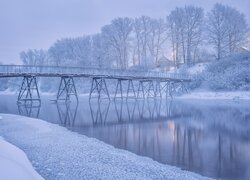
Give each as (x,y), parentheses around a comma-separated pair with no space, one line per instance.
(67,112)
(30,109)
(213,141)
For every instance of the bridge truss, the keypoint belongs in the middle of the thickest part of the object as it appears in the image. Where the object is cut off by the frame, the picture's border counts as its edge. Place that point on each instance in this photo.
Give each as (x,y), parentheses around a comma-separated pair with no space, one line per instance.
(149,84)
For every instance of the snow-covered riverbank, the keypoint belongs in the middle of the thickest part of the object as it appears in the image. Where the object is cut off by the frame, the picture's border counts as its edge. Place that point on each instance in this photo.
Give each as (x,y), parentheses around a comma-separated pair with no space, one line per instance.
(57,153)
(203,95)
(14,164)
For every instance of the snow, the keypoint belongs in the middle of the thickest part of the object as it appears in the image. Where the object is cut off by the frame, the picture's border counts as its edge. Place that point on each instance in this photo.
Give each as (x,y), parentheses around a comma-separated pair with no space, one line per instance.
(8,92)
(234,95)
(14,164)
(58,153)
(197,68)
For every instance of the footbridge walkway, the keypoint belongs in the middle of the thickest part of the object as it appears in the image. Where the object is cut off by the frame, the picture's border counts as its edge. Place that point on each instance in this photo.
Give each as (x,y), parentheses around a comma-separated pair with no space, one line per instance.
(150,84)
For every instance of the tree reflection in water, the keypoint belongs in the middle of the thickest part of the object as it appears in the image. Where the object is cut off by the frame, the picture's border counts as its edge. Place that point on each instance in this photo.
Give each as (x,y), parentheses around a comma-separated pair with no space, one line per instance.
(205,139)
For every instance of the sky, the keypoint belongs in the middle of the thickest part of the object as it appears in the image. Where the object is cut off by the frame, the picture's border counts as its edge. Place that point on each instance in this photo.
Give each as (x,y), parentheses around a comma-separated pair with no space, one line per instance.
(37,24)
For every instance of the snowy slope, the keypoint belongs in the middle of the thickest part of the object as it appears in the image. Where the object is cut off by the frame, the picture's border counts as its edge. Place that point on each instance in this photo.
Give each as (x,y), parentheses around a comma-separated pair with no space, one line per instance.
(197,68)
(60,154)
(14,164)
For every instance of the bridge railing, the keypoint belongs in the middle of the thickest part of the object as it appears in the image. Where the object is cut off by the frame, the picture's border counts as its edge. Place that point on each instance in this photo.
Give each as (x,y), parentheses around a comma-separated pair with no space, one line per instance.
(60,70)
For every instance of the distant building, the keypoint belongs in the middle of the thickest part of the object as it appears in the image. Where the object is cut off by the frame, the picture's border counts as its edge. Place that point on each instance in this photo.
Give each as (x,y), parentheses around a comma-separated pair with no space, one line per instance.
(164,64)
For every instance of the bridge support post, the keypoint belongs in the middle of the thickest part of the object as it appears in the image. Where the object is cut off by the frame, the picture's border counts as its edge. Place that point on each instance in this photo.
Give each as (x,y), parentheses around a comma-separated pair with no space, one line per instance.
(178,87)
(141,91)
(29,90)
(169,89)
(146,89)
(183,87)
(66,89)
(119,89)
(99,85)
(130,89)
(150,89)
(166,88)
(158,90)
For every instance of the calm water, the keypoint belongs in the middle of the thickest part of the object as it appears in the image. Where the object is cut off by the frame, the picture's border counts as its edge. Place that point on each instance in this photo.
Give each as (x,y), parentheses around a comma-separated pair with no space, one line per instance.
(210,138)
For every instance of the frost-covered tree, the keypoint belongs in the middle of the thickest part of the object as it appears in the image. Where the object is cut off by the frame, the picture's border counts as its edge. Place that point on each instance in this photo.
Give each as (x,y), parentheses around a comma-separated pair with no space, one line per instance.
(237,30)
(156,38)
(116,35)
(61,53)
(97,50)
(101,52)
(82,51)
(174,21)
(227,29)
(34,57)
(71,52)
(142,31)
(149,36)
(194,18)
(185,28)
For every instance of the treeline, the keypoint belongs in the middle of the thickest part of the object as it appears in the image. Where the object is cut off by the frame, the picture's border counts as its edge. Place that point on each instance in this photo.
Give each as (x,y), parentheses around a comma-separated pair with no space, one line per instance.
(186,36)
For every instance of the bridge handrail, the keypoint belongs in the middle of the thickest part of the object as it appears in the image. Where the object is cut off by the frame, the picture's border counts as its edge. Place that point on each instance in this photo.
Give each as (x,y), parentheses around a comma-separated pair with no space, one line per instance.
(10,69)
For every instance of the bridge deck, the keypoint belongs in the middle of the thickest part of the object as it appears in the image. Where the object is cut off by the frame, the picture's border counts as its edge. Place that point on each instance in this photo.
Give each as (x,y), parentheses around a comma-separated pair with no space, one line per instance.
(123,77)
(151,84)
(50,71)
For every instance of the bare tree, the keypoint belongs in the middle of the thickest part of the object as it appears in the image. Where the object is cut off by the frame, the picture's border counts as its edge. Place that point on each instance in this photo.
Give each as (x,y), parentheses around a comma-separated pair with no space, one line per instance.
(156,38)
(101,52)
(117,35)
(185,26)
(227,29)
(194,18)
(174,21)
(217,28)
(71,51)
(81,51)
(34,57)
(237,30)
(142,30)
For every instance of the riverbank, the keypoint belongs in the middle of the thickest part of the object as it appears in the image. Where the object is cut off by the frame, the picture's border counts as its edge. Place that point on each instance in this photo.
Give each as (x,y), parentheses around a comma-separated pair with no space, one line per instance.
(216,95)
(57,153)
(14,164)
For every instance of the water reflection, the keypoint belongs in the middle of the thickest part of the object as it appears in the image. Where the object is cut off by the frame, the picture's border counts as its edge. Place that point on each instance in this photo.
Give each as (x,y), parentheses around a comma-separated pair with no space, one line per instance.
(190,152)
(30,109)
(207,140)
(128,111)
(99,111)
(67,112)
(212,139)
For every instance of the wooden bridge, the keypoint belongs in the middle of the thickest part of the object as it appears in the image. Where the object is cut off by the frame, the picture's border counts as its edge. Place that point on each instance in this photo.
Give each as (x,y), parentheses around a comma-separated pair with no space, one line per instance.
(150,84)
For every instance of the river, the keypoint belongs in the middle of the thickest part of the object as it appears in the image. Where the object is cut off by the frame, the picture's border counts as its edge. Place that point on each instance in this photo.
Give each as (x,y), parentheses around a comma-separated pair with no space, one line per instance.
(211,138)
